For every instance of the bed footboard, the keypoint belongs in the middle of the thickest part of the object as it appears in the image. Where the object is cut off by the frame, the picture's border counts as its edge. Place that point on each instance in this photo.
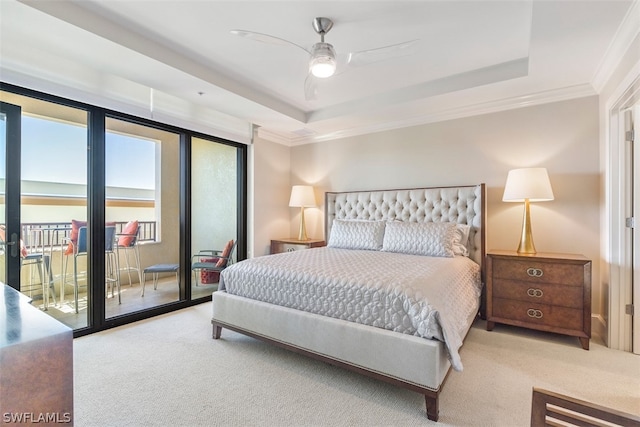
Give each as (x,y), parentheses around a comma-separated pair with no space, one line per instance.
(406,361)
(431,397)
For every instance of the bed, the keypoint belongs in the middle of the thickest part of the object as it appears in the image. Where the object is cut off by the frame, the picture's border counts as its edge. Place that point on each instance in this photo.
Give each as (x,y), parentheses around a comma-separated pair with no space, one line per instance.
(362,302)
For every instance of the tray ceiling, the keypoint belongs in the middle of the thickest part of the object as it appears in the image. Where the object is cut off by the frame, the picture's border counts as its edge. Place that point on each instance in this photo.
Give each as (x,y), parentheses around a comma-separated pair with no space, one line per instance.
(179,57)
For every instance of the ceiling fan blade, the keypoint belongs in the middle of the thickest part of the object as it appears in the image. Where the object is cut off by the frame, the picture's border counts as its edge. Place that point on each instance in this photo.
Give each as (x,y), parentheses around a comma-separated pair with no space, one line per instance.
(366,57)
(310,88)
(265,38)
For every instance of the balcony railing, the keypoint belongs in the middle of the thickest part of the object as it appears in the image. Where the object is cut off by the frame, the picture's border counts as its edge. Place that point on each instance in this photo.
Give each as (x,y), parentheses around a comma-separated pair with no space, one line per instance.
(53,234)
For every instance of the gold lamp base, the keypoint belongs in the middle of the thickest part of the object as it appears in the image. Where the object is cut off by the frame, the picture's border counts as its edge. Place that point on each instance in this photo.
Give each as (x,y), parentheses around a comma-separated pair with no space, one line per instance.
(302,234)
(526,246)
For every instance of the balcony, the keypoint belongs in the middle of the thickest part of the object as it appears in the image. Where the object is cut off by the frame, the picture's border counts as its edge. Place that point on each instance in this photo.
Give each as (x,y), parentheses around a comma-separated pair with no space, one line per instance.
(51,239)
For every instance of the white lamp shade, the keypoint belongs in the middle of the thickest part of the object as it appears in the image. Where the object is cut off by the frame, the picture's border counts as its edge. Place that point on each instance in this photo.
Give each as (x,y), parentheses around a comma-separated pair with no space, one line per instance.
(302,196)
(527,183)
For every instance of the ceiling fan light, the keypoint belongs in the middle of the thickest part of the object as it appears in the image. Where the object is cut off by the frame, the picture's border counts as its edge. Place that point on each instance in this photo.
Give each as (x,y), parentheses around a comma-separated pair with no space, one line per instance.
(322,69)
(323,60)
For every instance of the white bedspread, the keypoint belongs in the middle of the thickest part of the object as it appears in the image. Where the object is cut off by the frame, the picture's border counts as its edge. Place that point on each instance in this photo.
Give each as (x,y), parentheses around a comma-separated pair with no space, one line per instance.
(430,297)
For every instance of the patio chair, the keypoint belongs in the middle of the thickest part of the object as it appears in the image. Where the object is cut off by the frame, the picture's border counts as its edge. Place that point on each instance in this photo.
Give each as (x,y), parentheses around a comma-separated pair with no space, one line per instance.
(127,242)
(80,250)
(208,263)
(34,258)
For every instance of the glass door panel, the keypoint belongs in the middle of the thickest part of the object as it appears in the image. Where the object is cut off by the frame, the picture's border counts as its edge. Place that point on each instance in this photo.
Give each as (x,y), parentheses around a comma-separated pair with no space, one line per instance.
(142,203)
(53,197)
(214,212)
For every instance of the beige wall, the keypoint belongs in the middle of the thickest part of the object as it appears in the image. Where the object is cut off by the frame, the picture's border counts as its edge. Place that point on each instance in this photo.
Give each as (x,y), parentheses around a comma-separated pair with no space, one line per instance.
(270,196)
(562,136)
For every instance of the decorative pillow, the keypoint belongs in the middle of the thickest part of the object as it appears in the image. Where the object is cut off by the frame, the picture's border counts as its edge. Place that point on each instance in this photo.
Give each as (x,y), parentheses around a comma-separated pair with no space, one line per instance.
(131,229)
(221,262)
(356,234)
(420,238)
(460,239)
(75,227)
(207,276)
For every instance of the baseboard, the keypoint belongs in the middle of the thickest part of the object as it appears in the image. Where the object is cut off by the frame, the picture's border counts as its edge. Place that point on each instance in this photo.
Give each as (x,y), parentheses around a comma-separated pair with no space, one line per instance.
(599,328)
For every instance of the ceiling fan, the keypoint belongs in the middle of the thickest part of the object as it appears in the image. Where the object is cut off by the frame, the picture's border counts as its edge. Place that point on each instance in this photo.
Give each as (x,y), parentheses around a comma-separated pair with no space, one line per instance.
(322,56)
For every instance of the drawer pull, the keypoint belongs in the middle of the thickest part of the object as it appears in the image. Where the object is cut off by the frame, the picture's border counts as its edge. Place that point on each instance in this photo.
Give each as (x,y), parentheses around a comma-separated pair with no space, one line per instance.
(291,249)
(536,314)
(536,293)
(535,272)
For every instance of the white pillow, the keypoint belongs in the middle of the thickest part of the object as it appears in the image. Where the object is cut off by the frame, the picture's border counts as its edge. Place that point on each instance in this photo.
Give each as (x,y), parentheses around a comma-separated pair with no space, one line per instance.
(356,234)
(460,239)
(420,238)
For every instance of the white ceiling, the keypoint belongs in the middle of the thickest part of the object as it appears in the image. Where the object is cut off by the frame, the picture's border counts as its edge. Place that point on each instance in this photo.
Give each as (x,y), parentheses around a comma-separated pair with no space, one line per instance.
(472,56)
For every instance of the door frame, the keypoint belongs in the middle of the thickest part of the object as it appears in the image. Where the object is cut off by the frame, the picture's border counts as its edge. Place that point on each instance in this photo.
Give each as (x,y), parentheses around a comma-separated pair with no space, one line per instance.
(618,242)
(635,339)
(12,192)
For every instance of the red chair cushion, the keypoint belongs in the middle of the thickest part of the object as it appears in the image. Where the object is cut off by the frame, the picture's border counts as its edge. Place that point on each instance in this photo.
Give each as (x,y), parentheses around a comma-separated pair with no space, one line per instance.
(208,277)
(130,228)
(75,227)
(225,254)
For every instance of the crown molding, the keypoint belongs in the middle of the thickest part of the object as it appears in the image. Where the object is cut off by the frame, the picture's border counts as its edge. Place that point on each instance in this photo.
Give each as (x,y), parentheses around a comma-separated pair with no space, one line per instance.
(544,97)
(627,32)
(276,137)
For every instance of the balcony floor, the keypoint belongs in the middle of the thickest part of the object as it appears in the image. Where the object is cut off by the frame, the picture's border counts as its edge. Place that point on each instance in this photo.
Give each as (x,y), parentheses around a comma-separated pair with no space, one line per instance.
(132,301)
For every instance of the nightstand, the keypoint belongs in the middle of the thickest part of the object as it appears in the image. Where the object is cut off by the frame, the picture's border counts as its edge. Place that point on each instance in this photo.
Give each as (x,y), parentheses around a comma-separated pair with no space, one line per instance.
(290,245)
(546,291)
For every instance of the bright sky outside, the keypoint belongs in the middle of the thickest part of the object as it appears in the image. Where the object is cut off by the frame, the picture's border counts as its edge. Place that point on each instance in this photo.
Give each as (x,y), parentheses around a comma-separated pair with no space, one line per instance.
(56,152)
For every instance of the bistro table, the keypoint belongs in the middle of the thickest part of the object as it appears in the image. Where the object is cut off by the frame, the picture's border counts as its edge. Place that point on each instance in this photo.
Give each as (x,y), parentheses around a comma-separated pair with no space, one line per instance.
(54,240)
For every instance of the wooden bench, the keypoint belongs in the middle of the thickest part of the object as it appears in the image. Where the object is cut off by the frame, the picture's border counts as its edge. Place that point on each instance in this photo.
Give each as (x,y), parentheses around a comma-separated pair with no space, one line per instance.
(553,409)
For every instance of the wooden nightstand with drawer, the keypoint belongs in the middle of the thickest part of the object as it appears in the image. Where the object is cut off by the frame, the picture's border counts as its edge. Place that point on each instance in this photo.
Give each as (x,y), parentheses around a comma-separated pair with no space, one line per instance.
(289,245)
(546,291)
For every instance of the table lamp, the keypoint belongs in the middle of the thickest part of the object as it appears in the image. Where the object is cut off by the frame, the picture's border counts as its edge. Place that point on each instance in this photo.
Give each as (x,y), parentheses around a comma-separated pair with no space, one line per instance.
(527,185)
(302,196)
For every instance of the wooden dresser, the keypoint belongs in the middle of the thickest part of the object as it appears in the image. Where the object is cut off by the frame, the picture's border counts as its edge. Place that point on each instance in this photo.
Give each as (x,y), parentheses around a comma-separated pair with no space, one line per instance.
(288,245)
(36,364)
(546,291)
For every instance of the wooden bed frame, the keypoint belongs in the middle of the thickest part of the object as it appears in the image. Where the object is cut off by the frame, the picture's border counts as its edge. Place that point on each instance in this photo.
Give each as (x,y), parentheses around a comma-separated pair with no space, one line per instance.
(235,313)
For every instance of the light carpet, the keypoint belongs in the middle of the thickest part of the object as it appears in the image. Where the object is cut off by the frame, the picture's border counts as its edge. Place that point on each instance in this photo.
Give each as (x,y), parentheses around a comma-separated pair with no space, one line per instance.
(167,371)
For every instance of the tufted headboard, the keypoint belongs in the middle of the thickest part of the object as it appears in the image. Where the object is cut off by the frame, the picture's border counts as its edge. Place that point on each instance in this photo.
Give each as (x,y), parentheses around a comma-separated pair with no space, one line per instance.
(463,205)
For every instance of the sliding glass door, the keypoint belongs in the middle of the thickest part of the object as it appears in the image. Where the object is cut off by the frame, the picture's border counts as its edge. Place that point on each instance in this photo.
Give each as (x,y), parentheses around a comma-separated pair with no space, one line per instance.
(142,204)
(45,192)
(215,205)
(102,212)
